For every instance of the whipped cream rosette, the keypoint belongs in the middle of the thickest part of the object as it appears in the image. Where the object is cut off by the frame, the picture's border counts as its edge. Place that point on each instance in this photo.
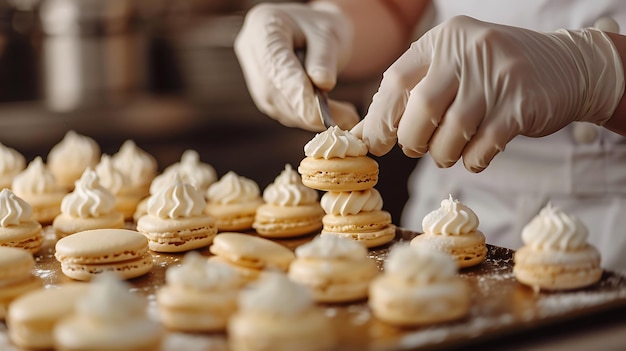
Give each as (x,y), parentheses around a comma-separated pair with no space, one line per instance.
(17,226)
(138,166)
(290,209)
(37,185)
(453,229)
(71,157)
(419,286)
(89,206)
(118,183)
(190,169)
(556,254)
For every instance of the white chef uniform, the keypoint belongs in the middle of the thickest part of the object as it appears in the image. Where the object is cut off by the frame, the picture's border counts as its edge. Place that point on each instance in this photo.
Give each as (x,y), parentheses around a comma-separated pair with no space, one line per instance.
(581,168)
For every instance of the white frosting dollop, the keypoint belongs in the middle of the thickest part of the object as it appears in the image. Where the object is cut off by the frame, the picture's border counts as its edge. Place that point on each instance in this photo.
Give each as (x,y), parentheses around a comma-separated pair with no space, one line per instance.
(178,200)
(554,229)
(275,294)
(191,170)
(233,189)
(11,163)
(136,164)
(351,202)
(333,143)
(74,153)
(452,218)
(288,190)
(109,300)
(110,177)
(198,273)
(332,246)
(419,264)
(35,179)
(13,210)
(89,199)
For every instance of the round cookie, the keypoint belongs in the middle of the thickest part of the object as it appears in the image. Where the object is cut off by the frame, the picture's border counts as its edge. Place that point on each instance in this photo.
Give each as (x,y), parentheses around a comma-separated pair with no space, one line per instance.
(236,216)
(371,228)
(88,253)
(32,316)
(468,249)
(16,276)
(350,173)
(177,235)
(251,251)
(274,221)
(17,228)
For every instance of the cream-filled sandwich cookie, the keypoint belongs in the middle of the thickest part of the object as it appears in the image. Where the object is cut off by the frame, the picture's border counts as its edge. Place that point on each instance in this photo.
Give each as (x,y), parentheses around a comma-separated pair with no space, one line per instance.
(278,314)
(32,316)
(139,167)
(118,184)
(233,201)
(12,162)
(334,269)
(71,156)
(419,286)
(176,221)
(453,228)
(17,228)
(88,206)
(290,208)
(86,254)
(556,254)
(336,160)
(199,295)
(108,317)
(38,186)
(250,255)
(357,215)
(16,276)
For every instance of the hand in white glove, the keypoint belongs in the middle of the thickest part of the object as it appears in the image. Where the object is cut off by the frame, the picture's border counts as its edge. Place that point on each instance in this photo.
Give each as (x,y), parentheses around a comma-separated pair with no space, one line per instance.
(466,88)
(277,82)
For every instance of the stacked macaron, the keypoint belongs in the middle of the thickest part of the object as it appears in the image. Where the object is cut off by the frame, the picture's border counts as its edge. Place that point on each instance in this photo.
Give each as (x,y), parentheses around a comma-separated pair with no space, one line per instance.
(453,229)
(336,161)
(290,209)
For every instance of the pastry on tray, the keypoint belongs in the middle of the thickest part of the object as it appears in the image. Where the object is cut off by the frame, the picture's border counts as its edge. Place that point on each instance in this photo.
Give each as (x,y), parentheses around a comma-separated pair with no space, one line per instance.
(556,254)
(199,295)
(12,162)
(357,215)
(453,228)
(176,220)
(335,269)
(233,201)
(108,317)
(39,188)
(17,227)
(71,156)
(278,314)
(16,276)
(88,206)
(137,165)
(290,208)
(419,286)
(336,160)
(127,197)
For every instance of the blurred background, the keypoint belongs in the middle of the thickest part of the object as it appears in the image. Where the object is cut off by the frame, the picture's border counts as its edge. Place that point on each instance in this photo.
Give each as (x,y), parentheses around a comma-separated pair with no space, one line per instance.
(160,72)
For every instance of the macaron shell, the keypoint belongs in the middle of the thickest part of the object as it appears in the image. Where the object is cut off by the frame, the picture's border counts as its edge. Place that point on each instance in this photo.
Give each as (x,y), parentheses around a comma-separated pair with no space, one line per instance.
(274,221)
(339,174)
(127,269)
(27,236)
(239,216)
(557,270)
(65,225)
(177,235)
(468,249)
(11,292)
(15,264)
(246,274)
(101,246)
(372,229)
(251,251)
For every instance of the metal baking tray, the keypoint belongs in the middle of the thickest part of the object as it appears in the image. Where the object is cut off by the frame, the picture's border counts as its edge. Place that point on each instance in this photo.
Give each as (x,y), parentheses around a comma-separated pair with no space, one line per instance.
(500,305)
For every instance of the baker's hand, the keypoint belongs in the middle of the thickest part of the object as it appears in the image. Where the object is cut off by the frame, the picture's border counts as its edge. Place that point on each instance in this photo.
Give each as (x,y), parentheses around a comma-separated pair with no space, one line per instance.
(466,88)
(277,82)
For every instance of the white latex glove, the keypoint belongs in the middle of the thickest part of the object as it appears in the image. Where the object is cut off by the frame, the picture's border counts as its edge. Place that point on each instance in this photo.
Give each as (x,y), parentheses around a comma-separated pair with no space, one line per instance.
(466,88)
(277,82)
